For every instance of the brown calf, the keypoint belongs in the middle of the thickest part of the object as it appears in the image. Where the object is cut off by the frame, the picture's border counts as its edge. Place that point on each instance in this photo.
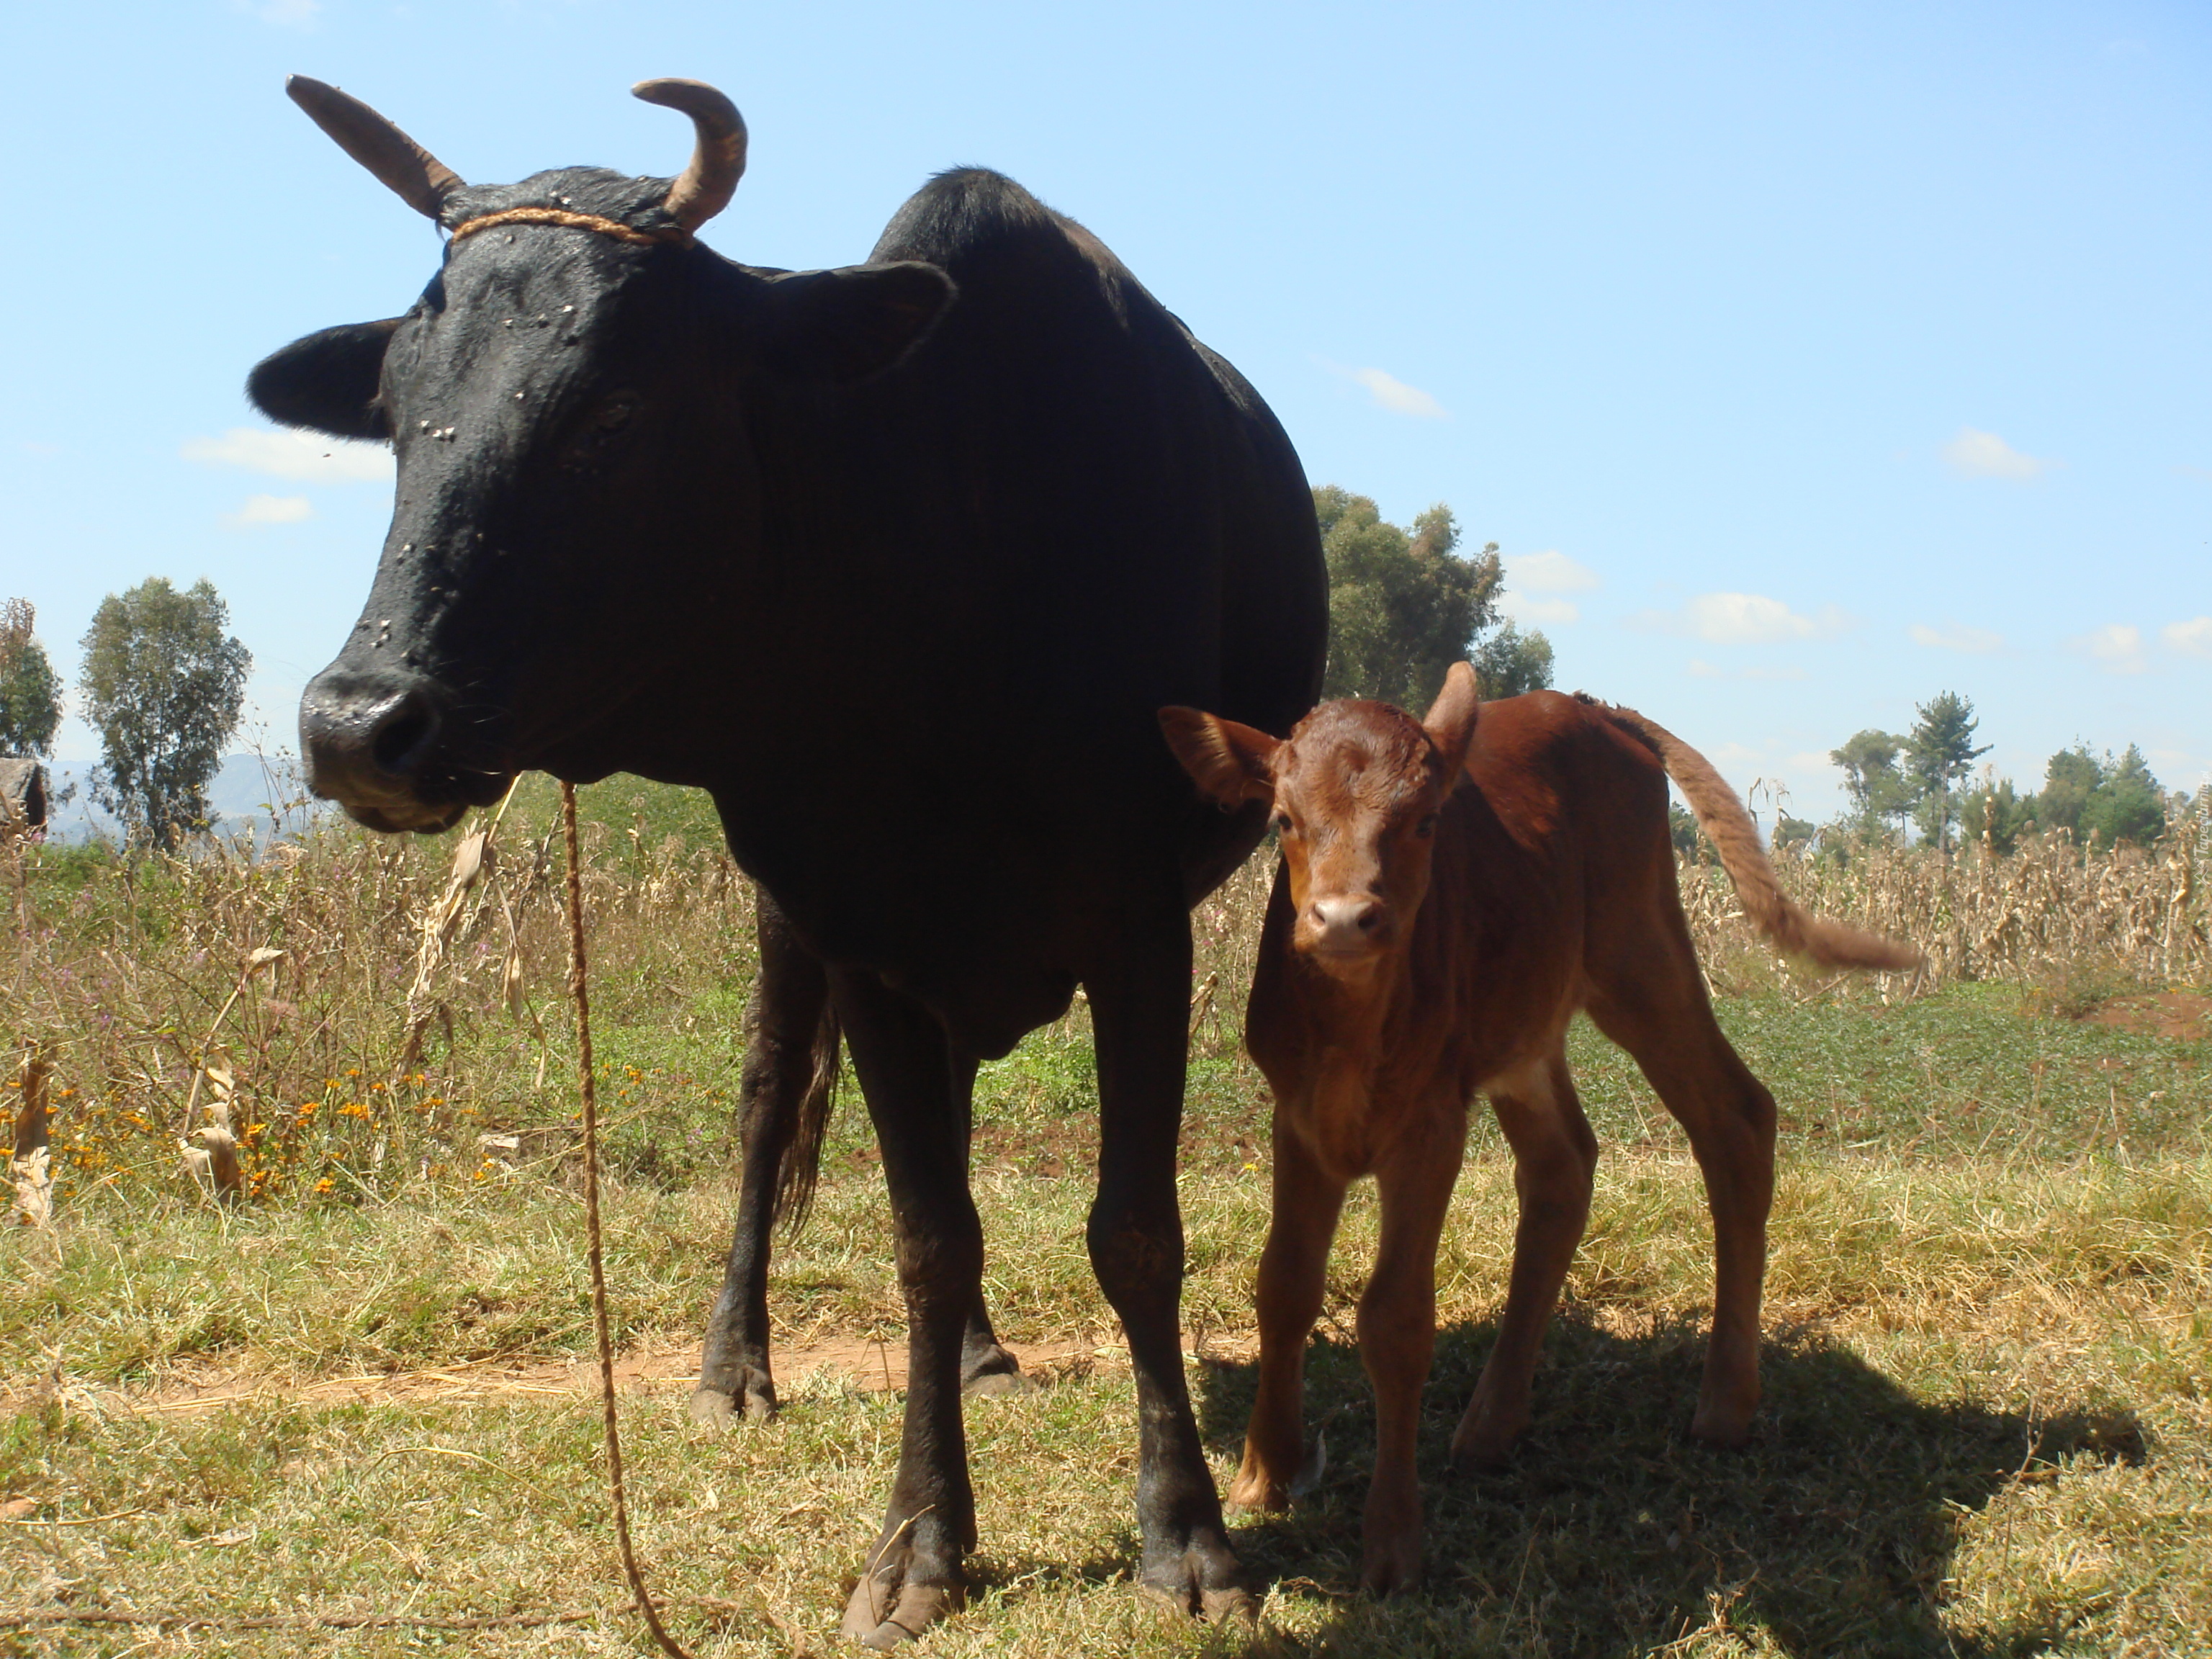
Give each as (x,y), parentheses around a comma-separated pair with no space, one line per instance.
(1426,942)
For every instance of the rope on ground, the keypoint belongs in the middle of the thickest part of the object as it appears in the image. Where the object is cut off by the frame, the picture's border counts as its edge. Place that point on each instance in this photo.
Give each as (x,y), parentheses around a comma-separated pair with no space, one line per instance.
(576,991)
(172,1618)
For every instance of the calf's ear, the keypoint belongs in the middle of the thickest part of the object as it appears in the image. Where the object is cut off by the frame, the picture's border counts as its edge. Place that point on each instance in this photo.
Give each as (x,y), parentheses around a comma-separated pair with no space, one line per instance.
(1230,763)
(847,325)
(327,381)
(1451,717)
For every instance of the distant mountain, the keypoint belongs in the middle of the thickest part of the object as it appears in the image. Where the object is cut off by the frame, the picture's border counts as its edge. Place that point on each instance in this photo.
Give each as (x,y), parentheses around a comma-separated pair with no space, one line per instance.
(245,789)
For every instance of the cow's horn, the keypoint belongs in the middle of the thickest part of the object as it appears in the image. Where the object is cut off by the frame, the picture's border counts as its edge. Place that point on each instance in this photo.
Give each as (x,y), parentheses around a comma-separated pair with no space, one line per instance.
(418,177)
(718,159)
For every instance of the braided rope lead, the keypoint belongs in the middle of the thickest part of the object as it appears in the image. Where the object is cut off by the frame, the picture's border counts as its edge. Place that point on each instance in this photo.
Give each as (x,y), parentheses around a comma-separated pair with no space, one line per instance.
(642,1596)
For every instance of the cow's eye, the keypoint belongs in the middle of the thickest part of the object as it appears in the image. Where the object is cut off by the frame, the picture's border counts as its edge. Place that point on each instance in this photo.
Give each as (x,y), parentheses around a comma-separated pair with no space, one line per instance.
(616,411)
(1282,824)
(1426,827)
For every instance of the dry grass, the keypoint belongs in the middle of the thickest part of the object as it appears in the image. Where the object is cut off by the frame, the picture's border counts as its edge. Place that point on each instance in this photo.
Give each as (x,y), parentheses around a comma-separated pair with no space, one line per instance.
(1986,1430)
(2049,915)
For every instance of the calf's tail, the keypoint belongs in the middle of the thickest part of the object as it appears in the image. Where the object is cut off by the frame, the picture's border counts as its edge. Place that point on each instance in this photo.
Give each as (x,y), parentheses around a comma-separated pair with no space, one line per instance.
(1722,816)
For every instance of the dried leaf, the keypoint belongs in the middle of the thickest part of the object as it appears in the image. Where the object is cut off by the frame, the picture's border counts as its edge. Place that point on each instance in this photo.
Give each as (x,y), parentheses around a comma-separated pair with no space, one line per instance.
(218,1167)
(468,860)
(262,955)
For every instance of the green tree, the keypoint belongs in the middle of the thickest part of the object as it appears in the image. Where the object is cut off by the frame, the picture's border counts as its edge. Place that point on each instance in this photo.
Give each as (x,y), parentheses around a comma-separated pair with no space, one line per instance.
(2128,804)
(163,684)
(1510,662)
(2070,778)
(1877,789)
(1995,813)
(1404,606)
(1939,755)
(1790,832)
(2115,800)
(30,691)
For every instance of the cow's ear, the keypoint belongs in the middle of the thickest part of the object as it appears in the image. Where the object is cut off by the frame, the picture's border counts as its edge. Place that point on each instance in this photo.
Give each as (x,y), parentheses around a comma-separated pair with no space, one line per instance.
(847,325)
(1451,722)
(1230,763)
(327,381)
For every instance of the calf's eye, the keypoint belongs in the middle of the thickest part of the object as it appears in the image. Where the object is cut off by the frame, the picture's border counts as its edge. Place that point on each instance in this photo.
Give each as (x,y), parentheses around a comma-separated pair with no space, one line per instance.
(1426,827)
(1282,824)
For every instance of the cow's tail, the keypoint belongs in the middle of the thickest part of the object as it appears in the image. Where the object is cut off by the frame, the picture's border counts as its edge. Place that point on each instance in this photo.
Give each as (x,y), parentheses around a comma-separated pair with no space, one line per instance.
(802,1159)
(1722,816)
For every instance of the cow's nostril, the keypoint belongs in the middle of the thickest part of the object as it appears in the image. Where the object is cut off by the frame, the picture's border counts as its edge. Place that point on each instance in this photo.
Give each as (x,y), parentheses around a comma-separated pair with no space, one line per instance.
(405,734)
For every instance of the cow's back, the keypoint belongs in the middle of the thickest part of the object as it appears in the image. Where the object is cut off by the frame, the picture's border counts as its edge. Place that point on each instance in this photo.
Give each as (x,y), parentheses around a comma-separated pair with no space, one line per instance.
(1060,514)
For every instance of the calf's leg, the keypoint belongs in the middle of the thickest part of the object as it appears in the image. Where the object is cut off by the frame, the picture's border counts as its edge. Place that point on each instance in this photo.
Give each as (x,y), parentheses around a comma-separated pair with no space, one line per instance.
(913,1576)
(1398,1335)
(1293,1273)
(1139,1007)
(1554,1160)
(1664,1020)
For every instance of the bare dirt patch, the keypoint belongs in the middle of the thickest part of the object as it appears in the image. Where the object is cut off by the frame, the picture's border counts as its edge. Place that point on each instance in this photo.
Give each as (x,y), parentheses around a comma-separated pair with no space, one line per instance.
(863,1363)
(2178,1015)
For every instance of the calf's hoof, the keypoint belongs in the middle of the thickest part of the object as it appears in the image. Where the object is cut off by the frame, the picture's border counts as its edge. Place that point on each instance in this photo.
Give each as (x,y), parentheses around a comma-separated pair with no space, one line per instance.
(1728,1428)
(752,1399)
(1390,1553)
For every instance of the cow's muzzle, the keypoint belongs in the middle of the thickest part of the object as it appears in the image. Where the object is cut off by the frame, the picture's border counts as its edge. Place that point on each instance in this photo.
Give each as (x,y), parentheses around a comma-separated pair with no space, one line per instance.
(378,744)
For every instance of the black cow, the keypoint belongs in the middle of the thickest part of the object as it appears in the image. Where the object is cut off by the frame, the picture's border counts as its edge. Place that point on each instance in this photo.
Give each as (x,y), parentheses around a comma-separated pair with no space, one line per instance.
(897,561)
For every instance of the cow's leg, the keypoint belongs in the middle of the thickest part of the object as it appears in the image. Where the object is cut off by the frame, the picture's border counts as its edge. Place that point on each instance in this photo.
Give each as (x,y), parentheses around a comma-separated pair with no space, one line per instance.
(912,1576)
(1398,1335)
(783,1018)
(1554,1162)
(1140,1006)
(1663,1019)
(1293,1274)
(985,1366)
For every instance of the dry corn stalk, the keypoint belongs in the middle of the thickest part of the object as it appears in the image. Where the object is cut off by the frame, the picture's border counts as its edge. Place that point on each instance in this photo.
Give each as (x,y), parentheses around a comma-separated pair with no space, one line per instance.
(31,1163)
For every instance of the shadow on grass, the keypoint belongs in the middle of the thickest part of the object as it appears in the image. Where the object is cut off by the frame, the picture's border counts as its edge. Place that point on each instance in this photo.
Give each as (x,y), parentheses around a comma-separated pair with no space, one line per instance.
(1613,1532)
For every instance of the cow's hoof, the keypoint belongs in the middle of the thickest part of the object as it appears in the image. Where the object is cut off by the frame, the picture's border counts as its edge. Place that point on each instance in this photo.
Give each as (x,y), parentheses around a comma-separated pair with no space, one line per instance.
(885,1612)
(993,1370)
(754,1401)
(1205,1582)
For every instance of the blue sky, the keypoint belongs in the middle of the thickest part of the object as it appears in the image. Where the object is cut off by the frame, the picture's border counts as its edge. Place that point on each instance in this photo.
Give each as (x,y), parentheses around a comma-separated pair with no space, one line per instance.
(1804,362)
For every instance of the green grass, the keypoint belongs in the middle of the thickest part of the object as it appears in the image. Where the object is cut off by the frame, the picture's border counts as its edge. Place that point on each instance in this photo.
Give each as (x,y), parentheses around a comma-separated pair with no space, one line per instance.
(1989,1359)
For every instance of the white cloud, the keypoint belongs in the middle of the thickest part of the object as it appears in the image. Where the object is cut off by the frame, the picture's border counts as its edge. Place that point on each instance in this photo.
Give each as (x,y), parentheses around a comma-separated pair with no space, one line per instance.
(270,509)
(306,457)
(1395,395)
(1975,642)
(1743,619)
(2117,647)
(286,14)
(1979,454)
(2192,638)
(1549,572)
(1522,608)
